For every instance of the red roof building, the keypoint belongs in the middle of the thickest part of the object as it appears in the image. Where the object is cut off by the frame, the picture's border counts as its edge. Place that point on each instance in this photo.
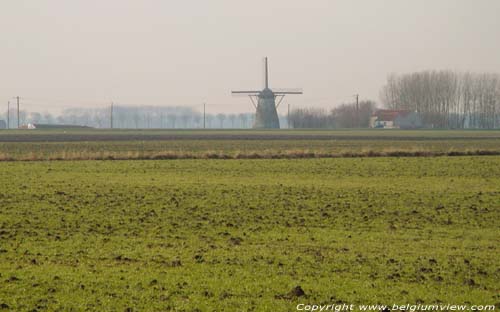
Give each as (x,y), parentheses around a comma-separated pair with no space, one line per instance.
(391,118)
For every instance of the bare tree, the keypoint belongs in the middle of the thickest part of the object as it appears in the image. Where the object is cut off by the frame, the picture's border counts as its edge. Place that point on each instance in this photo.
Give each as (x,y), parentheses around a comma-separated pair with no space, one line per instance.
(185,120)
(171,120)
(209,118)
(232,119)
(221,118)
(343,116)
(243,120)
(446,99)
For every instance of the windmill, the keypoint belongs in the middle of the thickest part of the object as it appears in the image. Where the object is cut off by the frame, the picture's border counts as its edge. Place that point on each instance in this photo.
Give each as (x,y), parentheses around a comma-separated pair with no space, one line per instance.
(266,102)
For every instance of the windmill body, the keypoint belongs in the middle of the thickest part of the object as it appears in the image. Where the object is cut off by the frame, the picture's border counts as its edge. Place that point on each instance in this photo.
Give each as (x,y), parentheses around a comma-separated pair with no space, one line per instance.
(266,116)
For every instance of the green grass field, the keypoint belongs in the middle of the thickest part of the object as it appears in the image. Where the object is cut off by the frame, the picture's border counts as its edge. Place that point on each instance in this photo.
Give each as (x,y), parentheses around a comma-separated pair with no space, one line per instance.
(238,235)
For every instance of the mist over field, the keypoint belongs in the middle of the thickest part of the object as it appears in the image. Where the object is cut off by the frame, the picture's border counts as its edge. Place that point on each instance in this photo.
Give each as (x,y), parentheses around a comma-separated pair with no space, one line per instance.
(58,55)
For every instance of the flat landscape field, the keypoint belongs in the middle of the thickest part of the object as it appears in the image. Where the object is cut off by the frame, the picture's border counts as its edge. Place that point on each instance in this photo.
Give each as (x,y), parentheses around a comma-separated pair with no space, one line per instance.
(239,235)
(94,144)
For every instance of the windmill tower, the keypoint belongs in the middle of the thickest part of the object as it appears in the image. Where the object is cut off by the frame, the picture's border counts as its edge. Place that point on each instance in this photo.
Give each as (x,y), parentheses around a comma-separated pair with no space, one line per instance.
(266,116)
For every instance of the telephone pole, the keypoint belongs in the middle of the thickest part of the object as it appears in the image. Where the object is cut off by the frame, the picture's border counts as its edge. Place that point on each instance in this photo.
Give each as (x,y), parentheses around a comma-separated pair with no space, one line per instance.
(204,109)
(8,114)
(17,98)
(288,116)
(357,110)
(111,116)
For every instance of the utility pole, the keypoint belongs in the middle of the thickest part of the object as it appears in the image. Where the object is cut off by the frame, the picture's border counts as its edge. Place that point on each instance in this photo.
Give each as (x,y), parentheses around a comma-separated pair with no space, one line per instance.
(288,116)
(17,98)
(8,115)
(204,109)
(111,116)
(357,110)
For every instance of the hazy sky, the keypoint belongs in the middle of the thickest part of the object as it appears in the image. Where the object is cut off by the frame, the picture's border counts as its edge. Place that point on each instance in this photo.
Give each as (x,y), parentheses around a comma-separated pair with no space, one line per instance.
(58,53)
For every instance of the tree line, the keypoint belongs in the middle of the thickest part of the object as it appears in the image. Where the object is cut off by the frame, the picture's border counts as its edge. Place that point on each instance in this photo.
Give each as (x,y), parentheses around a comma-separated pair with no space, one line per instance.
(134,117)
(347,115)
(447,99)
(176,117)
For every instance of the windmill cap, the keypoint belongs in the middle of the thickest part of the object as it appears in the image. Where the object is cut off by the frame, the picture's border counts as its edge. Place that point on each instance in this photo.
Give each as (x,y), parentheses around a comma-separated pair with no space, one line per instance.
(267,93)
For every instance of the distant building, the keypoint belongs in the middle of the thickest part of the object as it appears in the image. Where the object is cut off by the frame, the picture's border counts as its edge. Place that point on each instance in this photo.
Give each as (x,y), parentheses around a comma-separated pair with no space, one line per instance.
(3,124)
(396,119)
(57,126)
(29,126)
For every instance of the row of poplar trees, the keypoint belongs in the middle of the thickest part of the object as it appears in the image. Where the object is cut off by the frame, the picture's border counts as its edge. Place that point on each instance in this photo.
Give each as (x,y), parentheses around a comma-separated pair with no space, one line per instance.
(447,99)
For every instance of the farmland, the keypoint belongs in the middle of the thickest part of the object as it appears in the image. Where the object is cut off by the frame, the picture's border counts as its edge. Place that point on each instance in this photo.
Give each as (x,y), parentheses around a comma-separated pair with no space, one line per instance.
(237,235)
(168,144)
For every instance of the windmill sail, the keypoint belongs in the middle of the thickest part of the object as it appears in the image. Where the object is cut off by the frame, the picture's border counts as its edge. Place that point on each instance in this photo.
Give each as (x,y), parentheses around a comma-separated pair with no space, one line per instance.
(266,74)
